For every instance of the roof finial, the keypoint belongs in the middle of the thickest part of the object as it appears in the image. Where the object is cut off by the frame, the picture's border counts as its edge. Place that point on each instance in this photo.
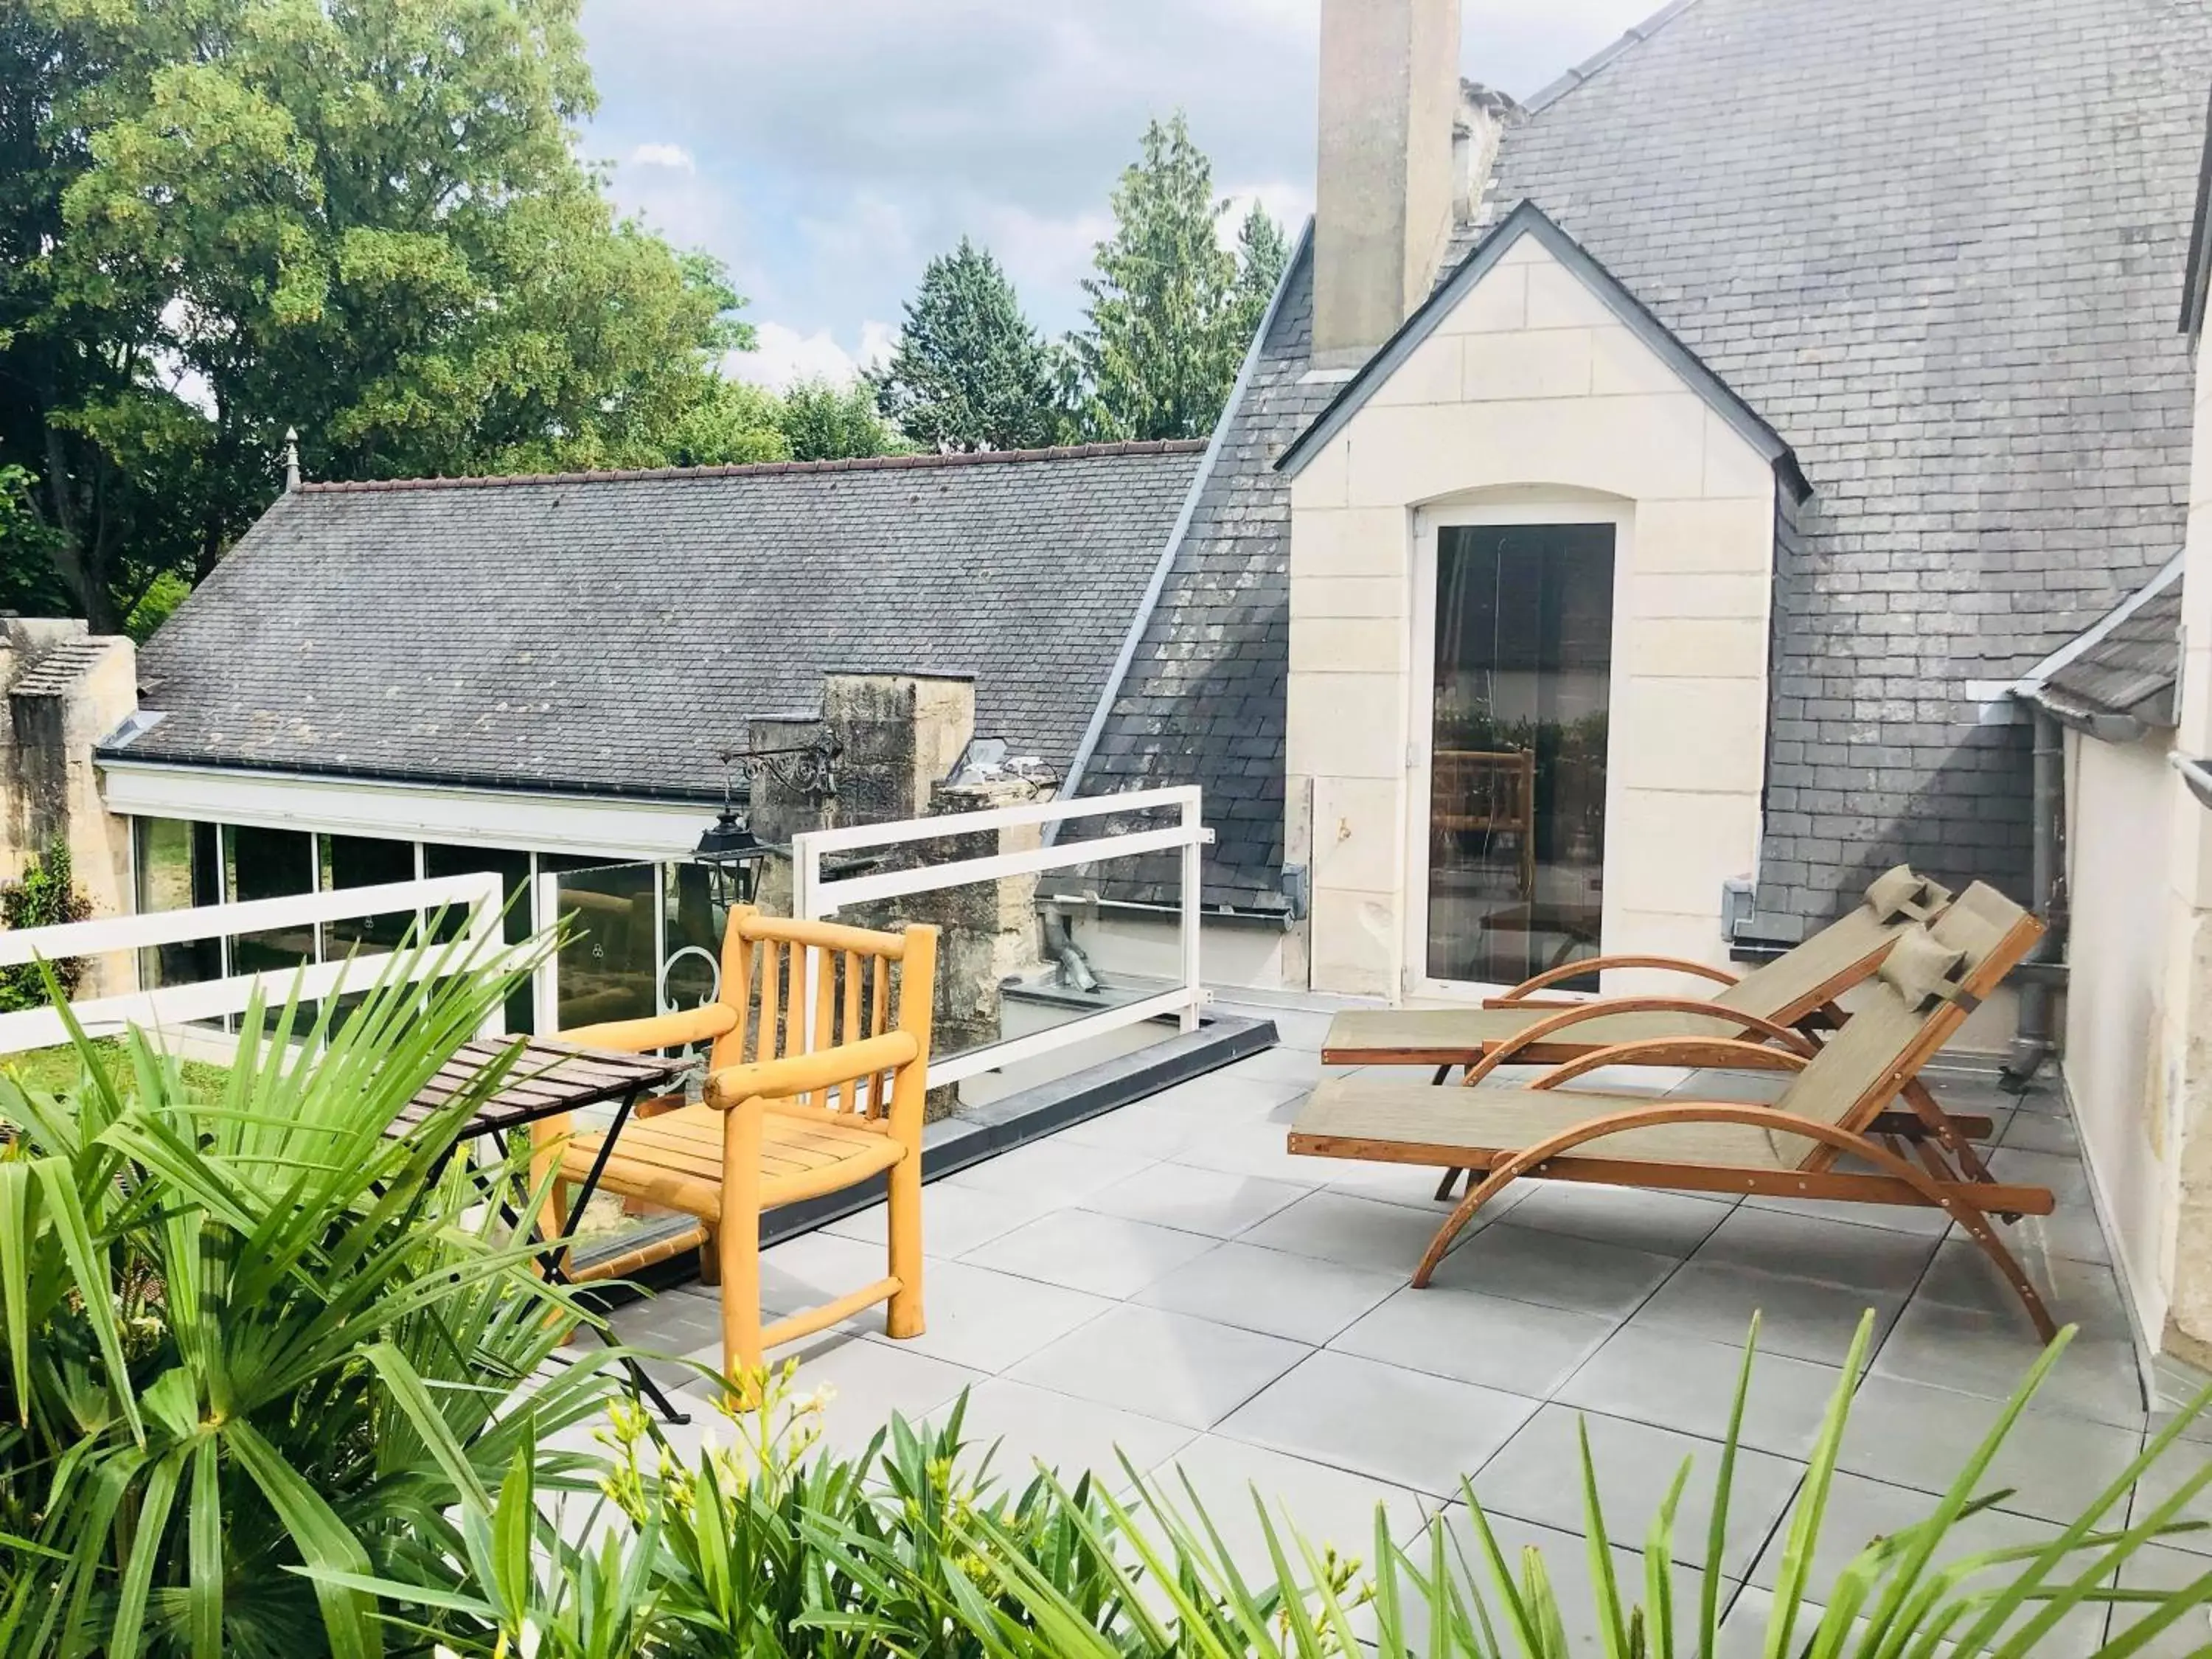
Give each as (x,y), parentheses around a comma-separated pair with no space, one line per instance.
(291,460)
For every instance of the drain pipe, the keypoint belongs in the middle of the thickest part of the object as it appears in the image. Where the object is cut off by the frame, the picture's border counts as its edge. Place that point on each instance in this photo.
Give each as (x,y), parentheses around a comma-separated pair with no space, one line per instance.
(1059,944)
(2032,1046)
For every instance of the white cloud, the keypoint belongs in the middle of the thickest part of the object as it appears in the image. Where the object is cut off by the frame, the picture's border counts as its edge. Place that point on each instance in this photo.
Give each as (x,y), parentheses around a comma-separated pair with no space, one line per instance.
(674,157)
(785,355)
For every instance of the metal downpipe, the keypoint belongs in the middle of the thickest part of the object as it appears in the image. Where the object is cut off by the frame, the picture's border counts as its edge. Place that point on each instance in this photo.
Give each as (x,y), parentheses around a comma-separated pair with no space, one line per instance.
(2032,1044)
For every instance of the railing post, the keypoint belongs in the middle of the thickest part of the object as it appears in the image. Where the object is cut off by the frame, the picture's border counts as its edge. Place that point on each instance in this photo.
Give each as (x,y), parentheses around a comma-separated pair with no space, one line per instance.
(1194,824)
(545,982)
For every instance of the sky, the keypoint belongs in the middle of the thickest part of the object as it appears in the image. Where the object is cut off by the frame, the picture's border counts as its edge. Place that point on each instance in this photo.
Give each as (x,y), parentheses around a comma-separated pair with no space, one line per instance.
(825,150)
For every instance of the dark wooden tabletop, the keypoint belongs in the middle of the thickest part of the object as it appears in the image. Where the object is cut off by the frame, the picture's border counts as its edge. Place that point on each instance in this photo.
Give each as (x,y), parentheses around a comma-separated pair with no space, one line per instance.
(549,1078)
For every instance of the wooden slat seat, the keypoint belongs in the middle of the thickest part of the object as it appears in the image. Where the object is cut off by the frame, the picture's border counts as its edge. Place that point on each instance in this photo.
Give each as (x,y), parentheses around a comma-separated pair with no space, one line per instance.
(676,1158)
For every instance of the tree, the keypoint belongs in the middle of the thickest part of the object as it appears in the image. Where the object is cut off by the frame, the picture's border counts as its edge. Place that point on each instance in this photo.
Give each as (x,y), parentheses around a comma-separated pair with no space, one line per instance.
(826,423)
(1170,309)
(1261,253)
(224,218)
(969,372)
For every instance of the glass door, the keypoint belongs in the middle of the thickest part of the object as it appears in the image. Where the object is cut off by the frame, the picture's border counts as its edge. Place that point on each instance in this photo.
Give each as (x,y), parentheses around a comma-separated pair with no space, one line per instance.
(1515,829)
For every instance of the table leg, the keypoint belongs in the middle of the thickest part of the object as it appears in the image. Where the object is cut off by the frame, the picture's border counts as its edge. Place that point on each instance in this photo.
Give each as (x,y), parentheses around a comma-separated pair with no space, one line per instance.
(554,1257)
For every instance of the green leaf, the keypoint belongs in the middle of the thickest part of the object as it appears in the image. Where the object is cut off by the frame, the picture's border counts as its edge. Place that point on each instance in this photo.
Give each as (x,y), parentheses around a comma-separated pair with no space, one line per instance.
(321,1538)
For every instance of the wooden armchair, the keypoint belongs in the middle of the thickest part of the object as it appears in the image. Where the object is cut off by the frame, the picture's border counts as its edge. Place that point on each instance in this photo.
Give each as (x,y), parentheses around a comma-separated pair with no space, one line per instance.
(815,1084)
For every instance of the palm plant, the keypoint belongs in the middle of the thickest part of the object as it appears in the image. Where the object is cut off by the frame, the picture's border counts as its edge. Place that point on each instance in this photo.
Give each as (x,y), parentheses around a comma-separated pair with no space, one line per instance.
(1895,1600)
(248,1340)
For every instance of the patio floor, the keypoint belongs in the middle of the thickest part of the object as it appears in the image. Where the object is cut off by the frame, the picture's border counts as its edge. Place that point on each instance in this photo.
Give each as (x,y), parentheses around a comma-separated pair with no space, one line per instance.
(1168,1280)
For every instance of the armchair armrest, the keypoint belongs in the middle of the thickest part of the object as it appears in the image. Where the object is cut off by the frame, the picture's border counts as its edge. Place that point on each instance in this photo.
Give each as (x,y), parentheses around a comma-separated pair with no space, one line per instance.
(699,1024)
(798,1074)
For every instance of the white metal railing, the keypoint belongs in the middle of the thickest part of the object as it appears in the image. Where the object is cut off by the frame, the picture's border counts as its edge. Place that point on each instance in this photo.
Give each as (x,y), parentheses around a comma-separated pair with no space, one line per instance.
(815,898)
(180,1005)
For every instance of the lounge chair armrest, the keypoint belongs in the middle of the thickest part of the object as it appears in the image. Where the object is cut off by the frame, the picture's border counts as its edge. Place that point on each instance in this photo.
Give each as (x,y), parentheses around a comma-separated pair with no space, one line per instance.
(799,1074)
(1723,1052)
(1565,1018)
(701,1025)
(1596,964)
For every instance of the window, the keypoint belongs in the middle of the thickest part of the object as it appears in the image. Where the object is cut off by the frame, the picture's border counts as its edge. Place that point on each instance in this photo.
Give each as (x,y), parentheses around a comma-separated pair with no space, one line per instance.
(264,863)
(1518,733)
(513,869)
(364,861)
(179,866)
(609,963)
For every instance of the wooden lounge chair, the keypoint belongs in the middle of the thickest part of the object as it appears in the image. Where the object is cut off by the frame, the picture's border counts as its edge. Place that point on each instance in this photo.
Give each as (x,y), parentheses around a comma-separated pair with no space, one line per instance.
(1840,1103)
(1778,1002)
(793,1110)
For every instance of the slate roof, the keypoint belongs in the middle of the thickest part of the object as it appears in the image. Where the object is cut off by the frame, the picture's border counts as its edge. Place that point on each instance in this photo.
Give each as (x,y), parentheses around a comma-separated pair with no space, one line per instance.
(2126,665)
(1937,246)
(609,632)
(1203,699)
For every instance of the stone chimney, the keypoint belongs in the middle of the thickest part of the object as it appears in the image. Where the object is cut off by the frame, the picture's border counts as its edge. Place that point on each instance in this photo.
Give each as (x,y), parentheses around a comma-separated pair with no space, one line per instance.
(1383,194)
(1483,112)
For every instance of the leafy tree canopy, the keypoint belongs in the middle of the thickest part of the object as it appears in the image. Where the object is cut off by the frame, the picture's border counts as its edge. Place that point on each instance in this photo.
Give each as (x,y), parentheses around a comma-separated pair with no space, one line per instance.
(969,372)
(220,218)
(1171,309)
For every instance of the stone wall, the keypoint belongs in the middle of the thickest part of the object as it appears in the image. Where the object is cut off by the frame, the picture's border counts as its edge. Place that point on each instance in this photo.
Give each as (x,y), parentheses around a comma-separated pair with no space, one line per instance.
(899,736)
(66,690)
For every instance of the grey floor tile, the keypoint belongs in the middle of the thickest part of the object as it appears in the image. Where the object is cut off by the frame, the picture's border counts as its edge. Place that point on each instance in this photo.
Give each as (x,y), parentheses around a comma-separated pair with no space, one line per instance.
(1052,1170)
(1412,1185)
(1102,1254)
(1253,1147)
(1020,1426)
(1989,1353)
(2182,1462)
(1744,1630)
(1209,1201)
(2042,1132)
(1139,1129)
(1912,1435)
(2166,1570)
(988,1321)
(1167,1365)
(2072,1229)
(868,1382)
(1521,1347)
(955,1219)
(1360,1232)
(1324,1506)
(1557,1269)
(1299,1297)
(1680,1382)
(1663,1224)
(1860,1511)
(1930,1224)
(1539,1477)
(814,1268)
(2083,1294)
(1300,1066)
(1799,1317)
(1566,1564)
(1409,1428)
(1858,1258)
(1225,1096)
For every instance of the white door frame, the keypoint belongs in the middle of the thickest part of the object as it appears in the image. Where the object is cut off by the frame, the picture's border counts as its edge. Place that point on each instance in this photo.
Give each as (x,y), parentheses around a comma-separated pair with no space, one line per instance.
(1559,508)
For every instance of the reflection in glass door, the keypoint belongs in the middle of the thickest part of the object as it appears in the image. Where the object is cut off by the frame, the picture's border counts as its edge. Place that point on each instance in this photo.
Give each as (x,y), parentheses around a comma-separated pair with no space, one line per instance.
(1517,749)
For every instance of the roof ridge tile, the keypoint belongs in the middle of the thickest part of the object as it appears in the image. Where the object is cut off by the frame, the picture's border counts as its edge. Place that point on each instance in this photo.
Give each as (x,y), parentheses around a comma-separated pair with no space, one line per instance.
(772,469)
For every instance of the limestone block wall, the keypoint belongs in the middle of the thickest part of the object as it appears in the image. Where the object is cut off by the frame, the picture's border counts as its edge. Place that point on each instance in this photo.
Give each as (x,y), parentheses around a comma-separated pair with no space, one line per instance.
(66,690)
(1532,397)
(2183,1078)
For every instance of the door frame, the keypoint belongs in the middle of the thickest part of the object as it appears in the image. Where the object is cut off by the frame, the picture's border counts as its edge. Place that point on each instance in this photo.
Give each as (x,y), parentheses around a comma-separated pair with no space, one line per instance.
(1549,507)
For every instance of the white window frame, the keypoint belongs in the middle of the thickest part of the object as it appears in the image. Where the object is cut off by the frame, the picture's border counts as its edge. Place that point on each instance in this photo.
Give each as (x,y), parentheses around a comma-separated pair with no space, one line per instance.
(1548,508)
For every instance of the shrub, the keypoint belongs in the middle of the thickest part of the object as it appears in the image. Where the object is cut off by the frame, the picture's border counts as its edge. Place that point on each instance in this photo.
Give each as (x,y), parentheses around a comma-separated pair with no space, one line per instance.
(244,1334)
(761,1548)
(45,895)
